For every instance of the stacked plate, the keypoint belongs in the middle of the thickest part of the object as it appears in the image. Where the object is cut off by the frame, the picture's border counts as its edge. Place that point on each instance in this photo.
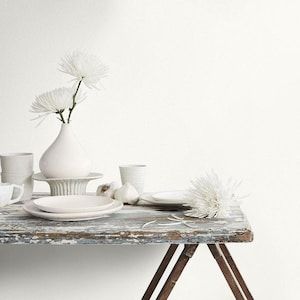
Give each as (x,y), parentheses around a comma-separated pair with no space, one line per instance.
(172,198)
(72,208)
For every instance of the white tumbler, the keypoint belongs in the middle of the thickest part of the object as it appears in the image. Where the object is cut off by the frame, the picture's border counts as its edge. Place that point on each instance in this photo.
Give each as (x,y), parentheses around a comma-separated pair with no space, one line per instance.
(135,175)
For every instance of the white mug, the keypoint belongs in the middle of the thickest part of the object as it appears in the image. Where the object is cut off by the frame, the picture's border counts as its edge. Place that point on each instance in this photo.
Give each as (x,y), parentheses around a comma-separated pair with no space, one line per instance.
(134,174)
(6,193)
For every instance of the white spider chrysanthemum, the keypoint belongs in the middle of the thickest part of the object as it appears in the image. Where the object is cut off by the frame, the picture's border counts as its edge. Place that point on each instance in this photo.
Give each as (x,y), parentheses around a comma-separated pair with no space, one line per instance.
(209,197)
(53,101)
(84,67)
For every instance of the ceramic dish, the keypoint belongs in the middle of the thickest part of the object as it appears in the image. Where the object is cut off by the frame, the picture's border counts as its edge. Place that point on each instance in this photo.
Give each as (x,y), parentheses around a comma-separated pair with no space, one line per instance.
(170,197)
(30,208)
(73,204)
(148,197)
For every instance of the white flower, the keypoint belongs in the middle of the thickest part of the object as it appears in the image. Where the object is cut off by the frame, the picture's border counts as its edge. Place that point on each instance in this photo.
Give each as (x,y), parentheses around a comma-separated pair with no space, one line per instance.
(53,101)
(209,197)
(56,101)
(84,67)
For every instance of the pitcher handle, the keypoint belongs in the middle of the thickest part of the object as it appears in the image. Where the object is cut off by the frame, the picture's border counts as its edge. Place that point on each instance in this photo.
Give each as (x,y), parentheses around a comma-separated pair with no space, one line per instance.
(21,188)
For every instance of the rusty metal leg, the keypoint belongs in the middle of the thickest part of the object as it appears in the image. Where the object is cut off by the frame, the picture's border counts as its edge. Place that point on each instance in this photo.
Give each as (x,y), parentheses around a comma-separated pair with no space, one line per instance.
(183,259)
(160,271)
(236,271)
(225,268)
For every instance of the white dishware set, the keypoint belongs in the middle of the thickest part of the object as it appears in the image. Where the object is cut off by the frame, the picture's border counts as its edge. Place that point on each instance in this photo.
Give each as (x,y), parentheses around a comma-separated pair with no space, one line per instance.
(133,179)
(72,208)
(131,192)
(68,200)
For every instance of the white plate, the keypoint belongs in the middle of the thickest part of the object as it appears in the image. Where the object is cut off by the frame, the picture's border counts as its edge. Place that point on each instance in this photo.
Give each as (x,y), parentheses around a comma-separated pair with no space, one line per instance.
(148,197)
(174,197)
(73,204)
(33,210)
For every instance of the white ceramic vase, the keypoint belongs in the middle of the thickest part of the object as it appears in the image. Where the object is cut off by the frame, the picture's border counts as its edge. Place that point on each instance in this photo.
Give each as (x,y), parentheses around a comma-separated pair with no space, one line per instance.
(65,157)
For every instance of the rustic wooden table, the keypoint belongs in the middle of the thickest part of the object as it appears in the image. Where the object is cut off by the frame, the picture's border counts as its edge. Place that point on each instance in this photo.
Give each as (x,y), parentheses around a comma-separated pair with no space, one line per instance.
(127,227)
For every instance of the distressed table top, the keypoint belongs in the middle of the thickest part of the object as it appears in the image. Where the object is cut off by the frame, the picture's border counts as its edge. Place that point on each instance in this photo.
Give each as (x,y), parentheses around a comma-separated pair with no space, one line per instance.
(124,227)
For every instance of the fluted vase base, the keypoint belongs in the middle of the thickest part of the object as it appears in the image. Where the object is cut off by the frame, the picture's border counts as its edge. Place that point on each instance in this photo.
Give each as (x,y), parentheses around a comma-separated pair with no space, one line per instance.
(67,186)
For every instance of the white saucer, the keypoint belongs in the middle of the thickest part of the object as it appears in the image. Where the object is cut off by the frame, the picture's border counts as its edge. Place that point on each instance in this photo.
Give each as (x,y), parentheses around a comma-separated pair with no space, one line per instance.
(73,204)
(148,197)
(170,197)
(33,210)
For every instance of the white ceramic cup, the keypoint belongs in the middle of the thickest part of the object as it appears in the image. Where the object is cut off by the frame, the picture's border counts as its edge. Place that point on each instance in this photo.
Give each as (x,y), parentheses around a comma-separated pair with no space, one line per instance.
(7,191)
(17,163)
(20,179)
(134,174)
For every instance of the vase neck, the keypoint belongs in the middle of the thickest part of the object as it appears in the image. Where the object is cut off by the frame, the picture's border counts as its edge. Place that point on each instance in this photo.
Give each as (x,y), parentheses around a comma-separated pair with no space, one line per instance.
(65,126)
(65,129)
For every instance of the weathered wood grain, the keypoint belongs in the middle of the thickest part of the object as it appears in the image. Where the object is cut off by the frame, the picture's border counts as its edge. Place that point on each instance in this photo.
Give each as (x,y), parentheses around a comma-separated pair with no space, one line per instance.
(123,227)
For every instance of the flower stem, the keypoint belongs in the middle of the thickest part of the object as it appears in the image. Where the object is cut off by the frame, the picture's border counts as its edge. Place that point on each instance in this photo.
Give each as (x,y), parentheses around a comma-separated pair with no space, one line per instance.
(74,102)
(61,116)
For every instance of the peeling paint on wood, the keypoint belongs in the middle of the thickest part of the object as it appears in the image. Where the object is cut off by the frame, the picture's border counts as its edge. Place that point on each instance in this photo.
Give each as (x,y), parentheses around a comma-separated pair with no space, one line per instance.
(123,227)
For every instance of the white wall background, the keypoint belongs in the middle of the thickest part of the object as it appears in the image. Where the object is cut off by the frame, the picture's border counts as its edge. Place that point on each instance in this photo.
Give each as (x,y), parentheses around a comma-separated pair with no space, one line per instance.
(193,85)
